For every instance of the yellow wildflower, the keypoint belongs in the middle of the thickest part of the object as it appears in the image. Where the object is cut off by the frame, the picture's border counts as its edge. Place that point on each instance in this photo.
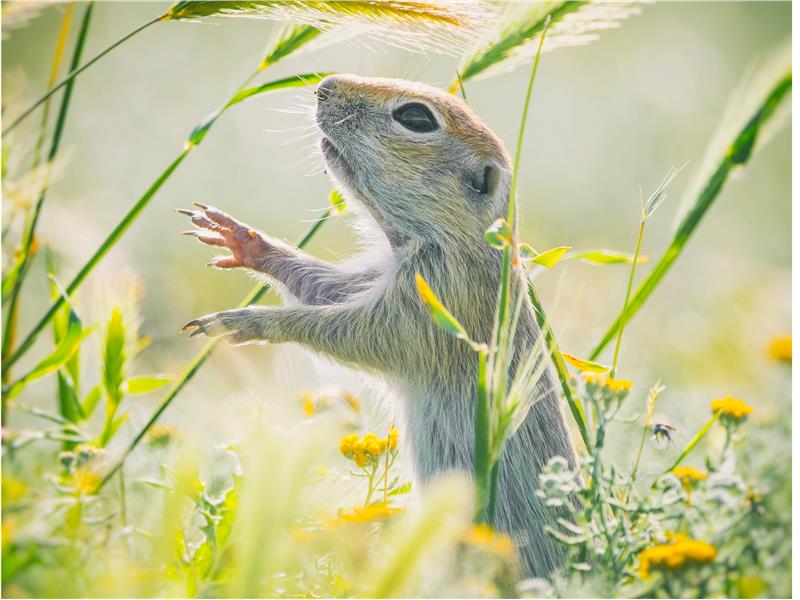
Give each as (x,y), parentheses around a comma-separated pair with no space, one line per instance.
(484,537)
(685,473)
(780,348)
(308,405)
(731,408)
(394,437)
(681,553)
(367,449)
(85,481)
(364,514)
(615,385)
(347,444)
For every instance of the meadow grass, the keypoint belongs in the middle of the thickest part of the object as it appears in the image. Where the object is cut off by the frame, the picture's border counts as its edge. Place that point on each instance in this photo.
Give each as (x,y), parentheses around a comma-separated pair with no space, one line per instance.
(268,523)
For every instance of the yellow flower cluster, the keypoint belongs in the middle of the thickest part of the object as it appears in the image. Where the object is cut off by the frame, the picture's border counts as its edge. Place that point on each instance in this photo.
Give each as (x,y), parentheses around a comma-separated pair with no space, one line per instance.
(369,448)
(731,408)
(780,348)
(394,438)
(679,553)
(365,514)
(688,474)
(484,537)
(614,385)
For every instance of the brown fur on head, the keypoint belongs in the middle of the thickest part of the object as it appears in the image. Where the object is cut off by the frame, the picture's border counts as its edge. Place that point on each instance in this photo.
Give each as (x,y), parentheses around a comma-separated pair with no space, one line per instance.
(417,157)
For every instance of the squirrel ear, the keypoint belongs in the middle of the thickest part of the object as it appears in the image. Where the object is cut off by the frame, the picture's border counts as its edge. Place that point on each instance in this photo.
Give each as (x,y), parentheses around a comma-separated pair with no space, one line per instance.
(485,182)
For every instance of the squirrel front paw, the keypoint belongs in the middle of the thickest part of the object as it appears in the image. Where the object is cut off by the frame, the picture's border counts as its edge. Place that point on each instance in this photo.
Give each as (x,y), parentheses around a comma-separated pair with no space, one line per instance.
(238,326)
(216,228)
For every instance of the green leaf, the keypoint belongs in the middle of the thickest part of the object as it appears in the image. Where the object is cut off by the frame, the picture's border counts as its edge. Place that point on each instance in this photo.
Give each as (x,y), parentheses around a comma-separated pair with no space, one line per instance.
(199,132)
(337,201)
(440,314)
(10,277)
(601,256)
(144,384)
(290,39)
(401,489)
(68,404)
(549,258)
(66,348)
(483,433)
(114,358)
(111,429)
(69,375)
(499,234)
(90,401)
(586,366)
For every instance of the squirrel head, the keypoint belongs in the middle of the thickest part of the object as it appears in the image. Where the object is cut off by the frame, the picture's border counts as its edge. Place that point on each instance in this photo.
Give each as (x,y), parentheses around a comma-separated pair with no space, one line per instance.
(421,162)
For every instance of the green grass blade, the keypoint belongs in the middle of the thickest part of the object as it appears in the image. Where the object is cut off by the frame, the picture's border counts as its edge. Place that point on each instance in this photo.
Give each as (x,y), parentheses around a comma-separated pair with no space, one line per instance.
(419,26)
(68,345)
(514,35)
(74,72)
(482,441)
(738,153)
(201,357)
(200,131)
(28,236)
(571,20)
(561,368)
(694,441)
(289,41)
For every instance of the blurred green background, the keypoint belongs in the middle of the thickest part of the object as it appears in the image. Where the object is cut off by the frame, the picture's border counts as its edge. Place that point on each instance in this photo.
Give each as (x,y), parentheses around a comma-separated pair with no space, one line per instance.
(606,119)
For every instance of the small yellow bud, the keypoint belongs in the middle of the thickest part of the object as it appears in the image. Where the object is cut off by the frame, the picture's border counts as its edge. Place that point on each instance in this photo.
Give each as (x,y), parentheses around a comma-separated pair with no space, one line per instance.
(394,437)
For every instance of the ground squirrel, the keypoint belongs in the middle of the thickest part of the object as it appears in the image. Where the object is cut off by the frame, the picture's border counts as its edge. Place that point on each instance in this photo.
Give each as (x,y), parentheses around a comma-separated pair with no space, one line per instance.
(428,177)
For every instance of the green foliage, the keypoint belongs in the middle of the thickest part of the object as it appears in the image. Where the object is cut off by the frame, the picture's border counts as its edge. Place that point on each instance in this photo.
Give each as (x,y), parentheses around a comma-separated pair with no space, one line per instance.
(702,520)
(65,349)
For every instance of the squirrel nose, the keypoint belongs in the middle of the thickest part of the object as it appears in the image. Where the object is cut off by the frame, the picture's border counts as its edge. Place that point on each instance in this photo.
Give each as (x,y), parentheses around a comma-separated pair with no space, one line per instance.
(325,89)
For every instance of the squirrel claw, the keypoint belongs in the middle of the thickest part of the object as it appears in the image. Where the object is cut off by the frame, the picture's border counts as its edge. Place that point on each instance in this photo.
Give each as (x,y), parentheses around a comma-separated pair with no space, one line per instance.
(184,211)
(201,206)
(193,323)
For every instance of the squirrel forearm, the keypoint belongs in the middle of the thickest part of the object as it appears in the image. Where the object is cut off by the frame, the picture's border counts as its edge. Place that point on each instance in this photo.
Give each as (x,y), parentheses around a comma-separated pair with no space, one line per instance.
(349,333)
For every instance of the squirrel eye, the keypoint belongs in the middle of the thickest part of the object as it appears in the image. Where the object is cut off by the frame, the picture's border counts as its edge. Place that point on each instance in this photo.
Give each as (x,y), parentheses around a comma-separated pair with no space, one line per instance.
(416,117)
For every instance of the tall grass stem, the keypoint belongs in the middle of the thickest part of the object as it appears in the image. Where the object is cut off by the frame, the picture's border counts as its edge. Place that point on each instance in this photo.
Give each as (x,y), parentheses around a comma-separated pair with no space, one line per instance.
(621,328)
(28,236)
